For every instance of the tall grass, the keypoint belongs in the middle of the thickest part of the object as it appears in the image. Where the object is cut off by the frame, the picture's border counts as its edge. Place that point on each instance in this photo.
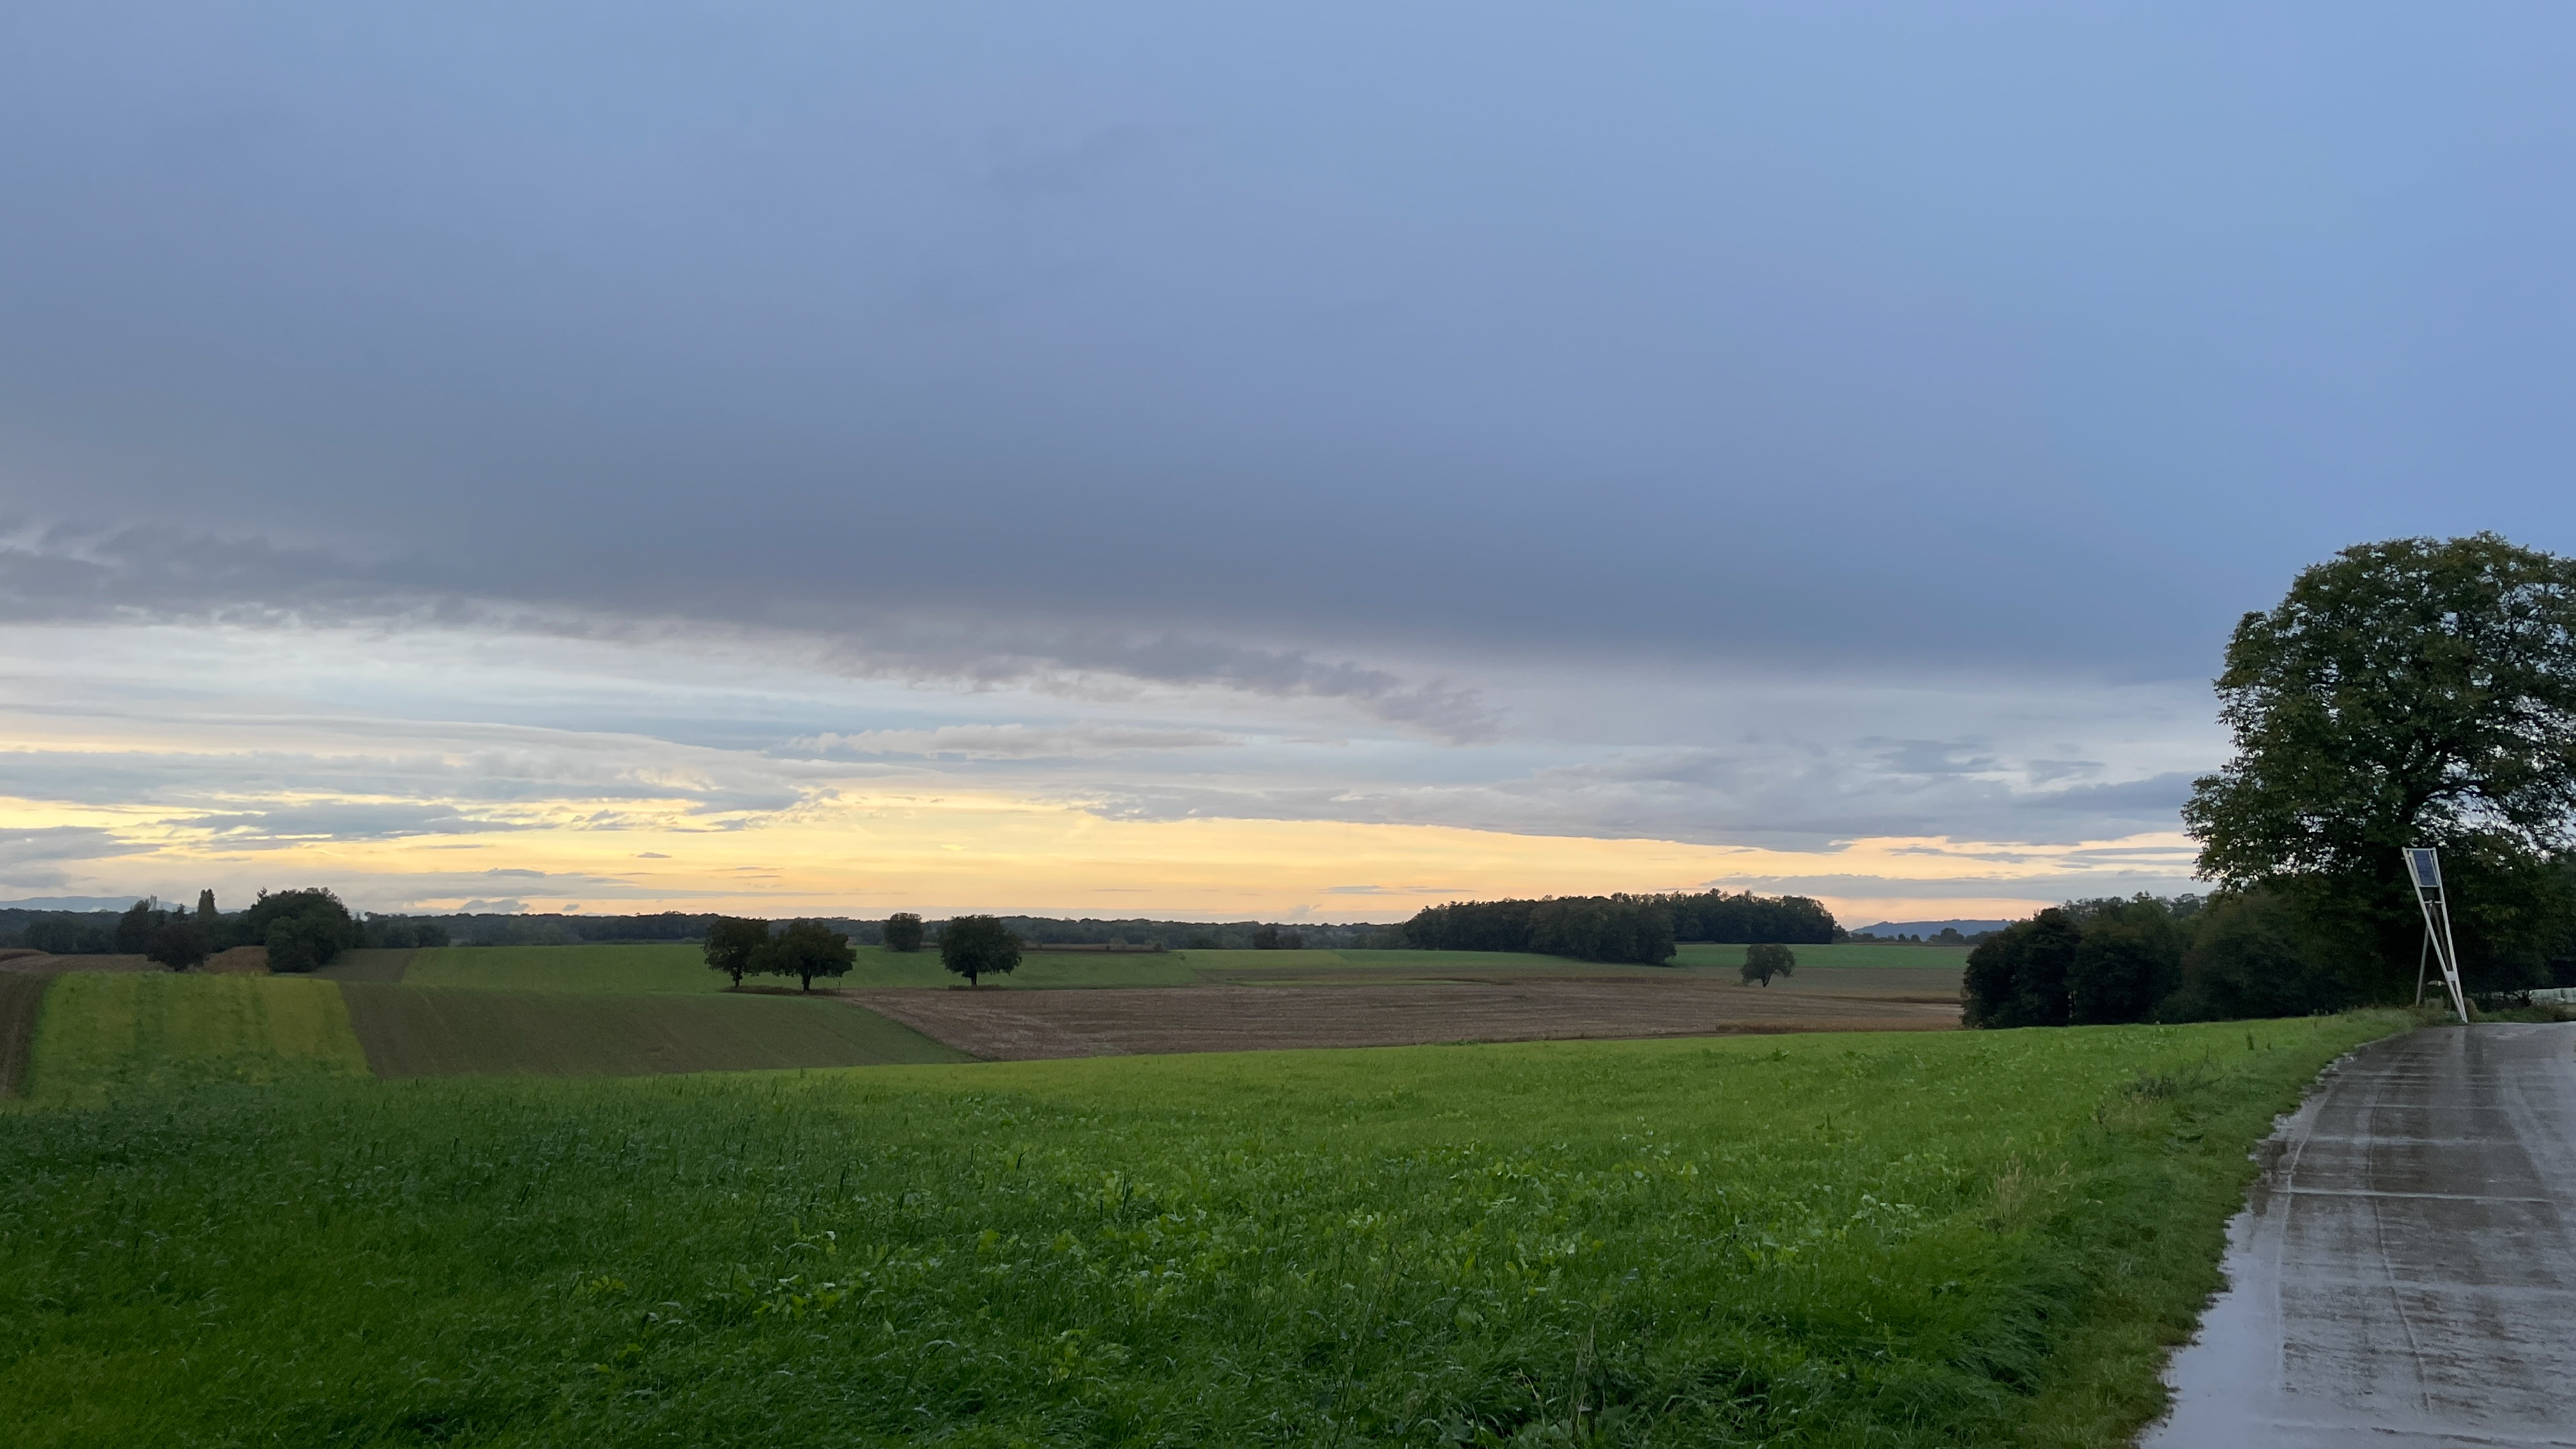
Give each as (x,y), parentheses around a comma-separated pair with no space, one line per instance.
(1835,1240)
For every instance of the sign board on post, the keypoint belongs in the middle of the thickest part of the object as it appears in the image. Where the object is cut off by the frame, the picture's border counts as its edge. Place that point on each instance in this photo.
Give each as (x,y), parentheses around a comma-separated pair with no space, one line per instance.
(2424,868)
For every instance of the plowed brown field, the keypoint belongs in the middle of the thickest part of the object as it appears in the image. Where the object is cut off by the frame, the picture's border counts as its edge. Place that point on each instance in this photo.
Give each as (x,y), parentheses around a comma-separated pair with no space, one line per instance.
(1027,1025)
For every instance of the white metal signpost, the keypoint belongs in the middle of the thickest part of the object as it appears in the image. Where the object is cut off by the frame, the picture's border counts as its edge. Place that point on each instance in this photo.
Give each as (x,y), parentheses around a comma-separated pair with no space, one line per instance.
(2424,867)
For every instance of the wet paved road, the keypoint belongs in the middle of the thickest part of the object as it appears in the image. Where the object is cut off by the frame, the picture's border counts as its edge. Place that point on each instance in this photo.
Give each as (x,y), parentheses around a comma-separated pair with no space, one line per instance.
(2405,1272)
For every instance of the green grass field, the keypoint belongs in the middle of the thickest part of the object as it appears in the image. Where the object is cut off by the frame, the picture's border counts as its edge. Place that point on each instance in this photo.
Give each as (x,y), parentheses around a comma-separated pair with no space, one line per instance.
(1039,970)
(674,968)
(1848,953)
(125,1033)
(1959,1239)
(449,1032)
(682,968)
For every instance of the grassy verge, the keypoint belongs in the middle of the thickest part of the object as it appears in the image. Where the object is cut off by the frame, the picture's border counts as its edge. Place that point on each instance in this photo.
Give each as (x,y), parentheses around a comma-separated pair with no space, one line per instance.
(119,1034)
(1971,1238)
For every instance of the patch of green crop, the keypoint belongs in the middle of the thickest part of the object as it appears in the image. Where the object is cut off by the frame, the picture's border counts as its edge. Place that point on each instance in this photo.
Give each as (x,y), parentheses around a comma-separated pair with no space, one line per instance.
(1847,953)
(650,967)
(1910,1239)
(1039,970)
(413,1031)
(124,1033)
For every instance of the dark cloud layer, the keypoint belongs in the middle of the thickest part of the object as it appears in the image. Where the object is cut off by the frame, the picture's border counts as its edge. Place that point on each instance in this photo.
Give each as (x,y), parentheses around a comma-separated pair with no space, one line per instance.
(1219,347)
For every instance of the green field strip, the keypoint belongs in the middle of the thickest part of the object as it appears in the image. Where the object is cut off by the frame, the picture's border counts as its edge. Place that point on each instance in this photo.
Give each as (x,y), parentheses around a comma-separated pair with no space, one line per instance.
(22,997)
(1847,953)
(679,968)
(384,964)
(411,1031)
(1973,1238)
(125,1032)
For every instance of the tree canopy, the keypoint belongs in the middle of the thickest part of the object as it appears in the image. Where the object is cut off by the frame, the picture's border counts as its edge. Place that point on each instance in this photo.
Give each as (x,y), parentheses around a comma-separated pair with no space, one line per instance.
(903,932)
(177,943)
(978,946)
(2412,692)
(1587,928)
(1767,959)
(732,942)
(303,929)
(804,950)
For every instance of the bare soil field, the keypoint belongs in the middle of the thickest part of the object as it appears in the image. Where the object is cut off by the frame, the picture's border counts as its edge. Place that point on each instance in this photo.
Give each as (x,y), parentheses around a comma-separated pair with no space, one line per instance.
(239,961)
(1032,1025)
(20,997)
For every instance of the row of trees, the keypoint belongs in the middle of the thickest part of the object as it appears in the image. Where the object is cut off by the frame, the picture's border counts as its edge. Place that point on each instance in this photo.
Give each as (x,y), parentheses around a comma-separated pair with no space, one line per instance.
(1587,928)
(302,929)
(1640,928)
(173,934)
(802,949)
(1744,918)
(2241,953)
(971,946)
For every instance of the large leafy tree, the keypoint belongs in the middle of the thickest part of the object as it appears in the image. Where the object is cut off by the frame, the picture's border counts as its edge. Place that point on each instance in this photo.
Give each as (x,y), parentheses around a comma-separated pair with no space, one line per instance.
(978,946)
(1767,959)
(302,929)
(903,932)
(733,943)
(805,950)
(177,944)
(2412,692)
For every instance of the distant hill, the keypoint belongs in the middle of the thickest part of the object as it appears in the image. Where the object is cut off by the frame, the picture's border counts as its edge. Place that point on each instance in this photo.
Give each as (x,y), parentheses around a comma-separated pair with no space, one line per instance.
(1928,928)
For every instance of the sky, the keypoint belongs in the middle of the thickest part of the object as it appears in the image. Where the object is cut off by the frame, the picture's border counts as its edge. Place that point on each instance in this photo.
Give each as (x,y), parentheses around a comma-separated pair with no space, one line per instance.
(1135,459)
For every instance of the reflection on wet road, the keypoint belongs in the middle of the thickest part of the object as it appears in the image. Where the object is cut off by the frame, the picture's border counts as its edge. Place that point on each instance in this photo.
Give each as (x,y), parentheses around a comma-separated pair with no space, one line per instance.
(2405,1272)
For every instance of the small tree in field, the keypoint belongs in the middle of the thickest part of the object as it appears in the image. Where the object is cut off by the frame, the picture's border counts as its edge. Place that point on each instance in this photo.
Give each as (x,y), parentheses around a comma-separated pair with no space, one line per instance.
(975,946)
(731,944)
(177,945)
(805,950)
(1767,960)
(903,932)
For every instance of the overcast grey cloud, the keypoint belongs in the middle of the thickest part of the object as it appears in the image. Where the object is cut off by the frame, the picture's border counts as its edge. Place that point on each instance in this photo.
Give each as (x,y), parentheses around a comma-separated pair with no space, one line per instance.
(1482,325)
(1719,423)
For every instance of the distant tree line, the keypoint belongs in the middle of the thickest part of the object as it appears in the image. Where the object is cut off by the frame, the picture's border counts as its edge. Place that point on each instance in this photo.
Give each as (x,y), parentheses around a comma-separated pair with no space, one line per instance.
(1946,936)
(301,929)
(1745,919)
(66,933)
(1640,928)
